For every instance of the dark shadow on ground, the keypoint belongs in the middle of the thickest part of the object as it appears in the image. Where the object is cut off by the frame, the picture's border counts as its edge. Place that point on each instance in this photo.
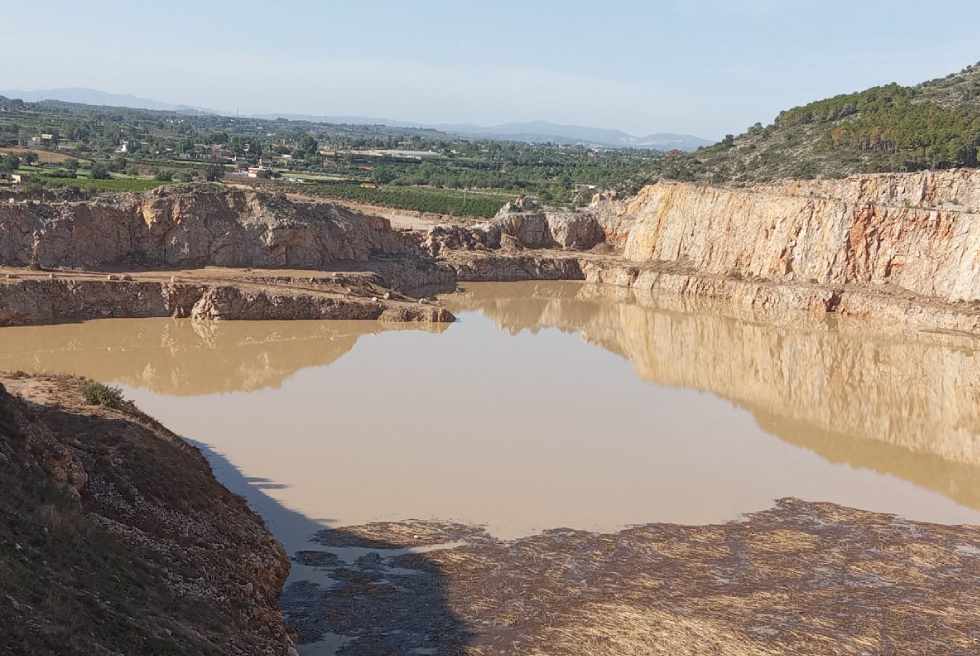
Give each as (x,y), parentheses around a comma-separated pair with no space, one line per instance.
(350,593)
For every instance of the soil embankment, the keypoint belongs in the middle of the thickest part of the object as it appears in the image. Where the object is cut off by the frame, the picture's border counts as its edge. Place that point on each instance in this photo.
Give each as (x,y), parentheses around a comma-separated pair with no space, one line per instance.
(115,536)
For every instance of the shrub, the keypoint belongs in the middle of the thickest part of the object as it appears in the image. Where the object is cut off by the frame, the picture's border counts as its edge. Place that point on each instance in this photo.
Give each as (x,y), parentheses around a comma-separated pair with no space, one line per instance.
(105,395)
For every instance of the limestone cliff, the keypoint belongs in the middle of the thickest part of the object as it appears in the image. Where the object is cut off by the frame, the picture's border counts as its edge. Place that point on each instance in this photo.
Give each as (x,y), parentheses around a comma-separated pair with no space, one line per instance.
(192,227)
(911,233)
(902,247)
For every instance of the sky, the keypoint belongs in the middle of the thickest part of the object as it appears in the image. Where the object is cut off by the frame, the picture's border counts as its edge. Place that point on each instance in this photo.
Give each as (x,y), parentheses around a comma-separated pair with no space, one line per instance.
(705,67)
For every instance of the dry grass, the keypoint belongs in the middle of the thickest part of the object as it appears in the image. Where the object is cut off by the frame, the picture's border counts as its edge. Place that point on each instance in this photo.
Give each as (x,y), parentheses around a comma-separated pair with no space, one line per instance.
(43,156)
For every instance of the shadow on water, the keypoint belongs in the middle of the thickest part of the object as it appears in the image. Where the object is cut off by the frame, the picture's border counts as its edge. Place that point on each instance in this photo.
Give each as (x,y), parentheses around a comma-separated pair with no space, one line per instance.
(347,593)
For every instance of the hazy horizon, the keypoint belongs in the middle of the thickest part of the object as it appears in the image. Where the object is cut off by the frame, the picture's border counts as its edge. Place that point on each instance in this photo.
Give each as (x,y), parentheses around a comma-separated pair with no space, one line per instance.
(705,70)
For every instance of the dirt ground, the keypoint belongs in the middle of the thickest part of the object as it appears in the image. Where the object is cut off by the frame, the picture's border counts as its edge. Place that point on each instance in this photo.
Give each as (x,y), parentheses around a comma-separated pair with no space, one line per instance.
(800,578)
(356,283)
(44,156)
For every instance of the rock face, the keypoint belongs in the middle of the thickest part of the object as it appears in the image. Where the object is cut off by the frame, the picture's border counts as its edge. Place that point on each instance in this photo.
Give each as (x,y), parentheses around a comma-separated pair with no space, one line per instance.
(914,232)
(903,247)
(207,226)
(46,301)
(192,227)
(115,537)
(521,223)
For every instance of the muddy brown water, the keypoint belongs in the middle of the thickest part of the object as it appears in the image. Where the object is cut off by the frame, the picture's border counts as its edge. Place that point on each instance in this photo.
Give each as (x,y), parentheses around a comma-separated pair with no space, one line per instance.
(550,405)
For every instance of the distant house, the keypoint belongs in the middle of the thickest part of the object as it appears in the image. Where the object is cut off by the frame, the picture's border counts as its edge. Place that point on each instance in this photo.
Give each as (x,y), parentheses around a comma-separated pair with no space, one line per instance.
(123,147)
(16,178)
(259,171)
(219,152)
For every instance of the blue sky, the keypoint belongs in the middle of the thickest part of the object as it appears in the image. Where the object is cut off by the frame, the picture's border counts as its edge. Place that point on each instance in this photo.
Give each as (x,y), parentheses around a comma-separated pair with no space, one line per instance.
(705,67)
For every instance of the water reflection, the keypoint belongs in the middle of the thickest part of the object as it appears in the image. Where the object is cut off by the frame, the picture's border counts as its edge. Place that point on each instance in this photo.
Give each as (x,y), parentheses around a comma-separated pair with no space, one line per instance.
(186,358)
(870,395)
(514,419)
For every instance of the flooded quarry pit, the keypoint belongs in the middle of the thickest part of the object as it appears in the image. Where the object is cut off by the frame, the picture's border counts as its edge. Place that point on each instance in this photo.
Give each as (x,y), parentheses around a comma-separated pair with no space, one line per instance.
(547,405)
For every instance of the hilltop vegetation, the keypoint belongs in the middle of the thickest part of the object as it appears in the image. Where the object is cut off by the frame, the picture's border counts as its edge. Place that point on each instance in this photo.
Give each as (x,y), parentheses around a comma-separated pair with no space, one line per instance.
(887,128)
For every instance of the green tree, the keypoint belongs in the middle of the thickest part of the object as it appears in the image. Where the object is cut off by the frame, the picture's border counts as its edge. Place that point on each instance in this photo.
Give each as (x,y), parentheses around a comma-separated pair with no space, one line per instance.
(9,163)
(215,172)
(307,146)
(383,175)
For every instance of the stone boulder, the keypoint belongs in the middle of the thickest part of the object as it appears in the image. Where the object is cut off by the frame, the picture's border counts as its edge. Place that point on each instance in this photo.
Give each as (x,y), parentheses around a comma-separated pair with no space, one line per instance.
(521,223)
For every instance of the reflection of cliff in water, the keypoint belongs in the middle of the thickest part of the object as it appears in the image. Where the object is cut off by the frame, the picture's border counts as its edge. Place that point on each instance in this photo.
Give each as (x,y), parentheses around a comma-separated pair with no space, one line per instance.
(907,404)
(182,357)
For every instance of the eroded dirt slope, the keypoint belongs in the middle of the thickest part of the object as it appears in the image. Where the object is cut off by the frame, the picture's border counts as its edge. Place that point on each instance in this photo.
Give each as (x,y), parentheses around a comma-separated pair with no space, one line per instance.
(115,537)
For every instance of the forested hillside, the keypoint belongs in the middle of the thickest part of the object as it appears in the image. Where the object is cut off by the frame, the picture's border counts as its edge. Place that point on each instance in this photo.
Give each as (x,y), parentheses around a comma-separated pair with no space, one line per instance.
(935,125)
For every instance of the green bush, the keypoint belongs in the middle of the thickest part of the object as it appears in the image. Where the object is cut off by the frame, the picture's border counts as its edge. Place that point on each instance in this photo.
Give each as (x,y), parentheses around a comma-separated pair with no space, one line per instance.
(105,395)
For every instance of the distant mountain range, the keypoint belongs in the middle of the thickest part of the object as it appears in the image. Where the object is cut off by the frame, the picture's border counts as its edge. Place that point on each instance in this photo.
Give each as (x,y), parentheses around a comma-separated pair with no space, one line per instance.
(96,97)
(542,131)
(528,132)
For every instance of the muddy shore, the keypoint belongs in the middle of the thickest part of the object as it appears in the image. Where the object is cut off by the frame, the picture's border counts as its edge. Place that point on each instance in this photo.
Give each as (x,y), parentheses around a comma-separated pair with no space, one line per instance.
(801,578)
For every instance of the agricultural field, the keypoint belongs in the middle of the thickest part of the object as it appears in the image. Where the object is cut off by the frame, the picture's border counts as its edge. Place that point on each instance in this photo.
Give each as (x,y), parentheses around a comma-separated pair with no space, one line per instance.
(403,168)
(91,184)
(418,199)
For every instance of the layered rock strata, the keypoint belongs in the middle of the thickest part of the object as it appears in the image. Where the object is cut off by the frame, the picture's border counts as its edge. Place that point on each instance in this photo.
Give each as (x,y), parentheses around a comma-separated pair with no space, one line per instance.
(202,225)
(43,300)
(902,247)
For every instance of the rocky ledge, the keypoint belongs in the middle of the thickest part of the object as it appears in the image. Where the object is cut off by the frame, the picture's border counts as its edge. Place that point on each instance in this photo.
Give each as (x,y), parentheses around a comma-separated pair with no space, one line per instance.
(29,298)
(148,255)
(116,538)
